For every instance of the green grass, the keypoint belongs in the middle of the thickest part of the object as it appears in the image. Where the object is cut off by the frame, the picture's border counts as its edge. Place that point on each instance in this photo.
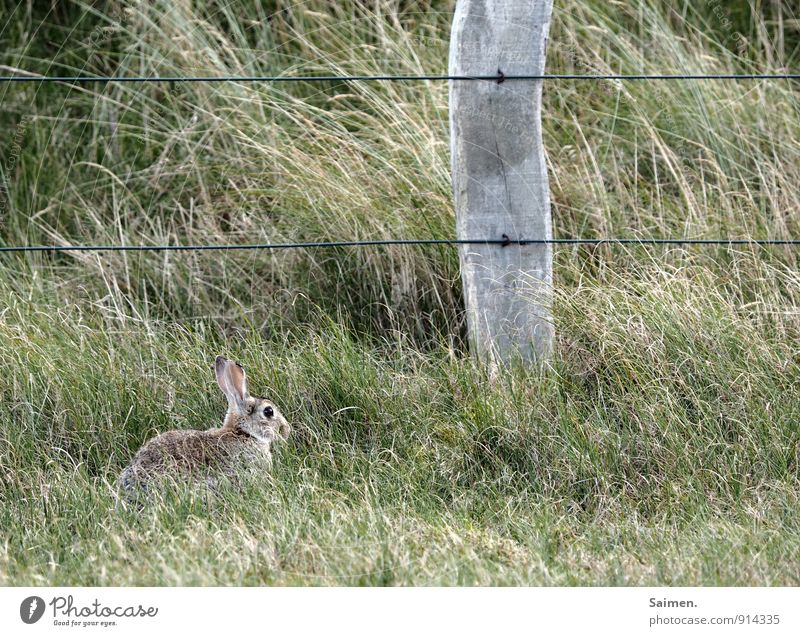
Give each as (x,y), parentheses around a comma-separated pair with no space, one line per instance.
(660,447)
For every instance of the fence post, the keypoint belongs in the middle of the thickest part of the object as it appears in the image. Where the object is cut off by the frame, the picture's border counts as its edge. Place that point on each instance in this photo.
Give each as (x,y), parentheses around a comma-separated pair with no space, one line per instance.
(499,177)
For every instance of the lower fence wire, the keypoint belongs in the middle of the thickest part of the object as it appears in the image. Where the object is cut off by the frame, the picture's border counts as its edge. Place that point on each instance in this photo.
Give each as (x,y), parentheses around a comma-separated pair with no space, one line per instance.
(504,241)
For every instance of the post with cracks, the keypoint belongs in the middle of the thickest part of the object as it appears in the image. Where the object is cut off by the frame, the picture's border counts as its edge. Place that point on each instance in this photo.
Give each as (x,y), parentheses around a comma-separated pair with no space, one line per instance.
(499,178)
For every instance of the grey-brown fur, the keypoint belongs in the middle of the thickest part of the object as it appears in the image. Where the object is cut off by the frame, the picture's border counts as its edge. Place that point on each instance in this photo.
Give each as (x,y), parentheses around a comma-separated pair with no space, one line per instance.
(242,442)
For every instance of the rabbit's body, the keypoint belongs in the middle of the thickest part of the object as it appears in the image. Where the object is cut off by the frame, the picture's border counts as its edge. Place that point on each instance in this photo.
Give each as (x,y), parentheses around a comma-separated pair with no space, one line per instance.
(192,453)
(243,442)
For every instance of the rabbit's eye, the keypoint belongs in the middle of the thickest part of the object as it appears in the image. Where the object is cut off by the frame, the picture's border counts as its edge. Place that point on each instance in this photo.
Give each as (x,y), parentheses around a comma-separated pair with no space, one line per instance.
(269,412)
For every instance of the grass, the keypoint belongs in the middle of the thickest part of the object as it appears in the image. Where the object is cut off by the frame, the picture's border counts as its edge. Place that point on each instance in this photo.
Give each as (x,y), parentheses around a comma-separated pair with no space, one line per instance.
(660,447)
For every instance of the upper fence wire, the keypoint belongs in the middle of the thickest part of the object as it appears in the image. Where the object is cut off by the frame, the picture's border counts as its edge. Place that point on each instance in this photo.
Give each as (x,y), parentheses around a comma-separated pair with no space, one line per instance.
(497,77)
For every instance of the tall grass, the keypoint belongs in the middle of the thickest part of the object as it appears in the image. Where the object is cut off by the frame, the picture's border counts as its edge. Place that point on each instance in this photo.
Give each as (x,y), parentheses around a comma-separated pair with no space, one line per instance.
(660,447)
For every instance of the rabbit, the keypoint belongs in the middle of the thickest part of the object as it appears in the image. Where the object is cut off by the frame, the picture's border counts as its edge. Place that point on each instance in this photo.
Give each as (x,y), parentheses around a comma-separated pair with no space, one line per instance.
(243,441)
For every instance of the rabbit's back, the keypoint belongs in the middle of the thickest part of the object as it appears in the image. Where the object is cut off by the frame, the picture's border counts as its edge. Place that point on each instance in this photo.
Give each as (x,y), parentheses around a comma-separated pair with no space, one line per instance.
(191,452)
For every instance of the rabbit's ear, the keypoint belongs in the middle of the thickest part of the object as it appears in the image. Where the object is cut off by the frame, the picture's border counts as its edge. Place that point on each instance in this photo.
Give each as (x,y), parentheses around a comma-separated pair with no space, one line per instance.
(232,381)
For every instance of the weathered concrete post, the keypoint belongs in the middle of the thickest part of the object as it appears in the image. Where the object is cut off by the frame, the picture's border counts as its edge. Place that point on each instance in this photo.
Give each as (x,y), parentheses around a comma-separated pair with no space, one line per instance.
(500,177)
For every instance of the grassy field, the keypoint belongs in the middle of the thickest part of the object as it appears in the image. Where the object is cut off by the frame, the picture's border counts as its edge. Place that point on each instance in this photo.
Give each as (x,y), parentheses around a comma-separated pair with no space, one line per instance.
(662,445)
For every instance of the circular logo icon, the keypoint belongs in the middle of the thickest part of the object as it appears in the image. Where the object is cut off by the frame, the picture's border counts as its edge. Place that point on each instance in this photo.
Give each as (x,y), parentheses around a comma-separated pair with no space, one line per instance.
(31,609)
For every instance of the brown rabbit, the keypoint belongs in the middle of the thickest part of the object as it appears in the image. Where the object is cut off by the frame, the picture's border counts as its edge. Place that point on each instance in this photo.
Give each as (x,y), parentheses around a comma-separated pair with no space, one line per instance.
(244,440)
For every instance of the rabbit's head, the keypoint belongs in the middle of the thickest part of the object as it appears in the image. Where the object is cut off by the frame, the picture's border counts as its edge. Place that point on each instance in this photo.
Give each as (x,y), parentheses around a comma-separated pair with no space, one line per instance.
(255,416)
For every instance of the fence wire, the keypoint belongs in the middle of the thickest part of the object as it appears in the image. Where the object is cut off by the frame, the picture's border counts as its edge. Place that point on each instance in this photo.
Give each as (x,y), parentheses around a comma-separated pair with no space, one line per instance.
(504,242)
(497,77)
